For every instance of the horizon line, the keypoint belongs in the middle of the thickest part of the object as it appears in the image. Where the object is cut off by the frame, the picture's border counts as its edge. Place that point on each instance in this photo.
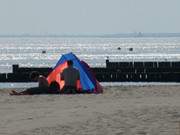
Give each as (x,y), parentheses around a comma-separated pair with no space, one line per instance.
(132,34)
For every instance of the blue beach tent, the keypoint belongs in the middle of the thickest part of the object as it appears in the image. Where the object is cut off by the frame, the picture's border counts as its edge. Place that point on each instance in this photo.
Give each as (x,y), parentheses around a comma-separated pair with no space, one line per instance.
(88,82)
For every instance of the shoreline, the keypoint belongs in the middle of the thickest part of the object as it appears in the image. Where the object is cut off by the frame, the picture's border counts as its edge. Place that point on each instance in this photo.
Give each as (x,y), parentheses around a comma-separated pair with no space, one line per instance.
(10,85)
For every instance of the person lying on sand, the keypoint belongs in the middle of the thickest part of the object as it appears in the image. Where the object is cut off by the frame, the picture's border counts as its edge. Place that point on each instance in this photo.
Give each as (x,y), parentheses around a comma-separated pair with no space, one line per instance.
(54,88)
(43,86)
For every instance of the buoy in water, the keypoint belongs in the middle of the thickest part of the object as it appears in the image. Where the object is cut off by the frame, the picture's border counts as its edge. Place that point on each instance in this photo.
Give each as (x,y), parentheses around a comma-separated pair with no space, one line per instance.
(43,52)
(130,49)
(119,48)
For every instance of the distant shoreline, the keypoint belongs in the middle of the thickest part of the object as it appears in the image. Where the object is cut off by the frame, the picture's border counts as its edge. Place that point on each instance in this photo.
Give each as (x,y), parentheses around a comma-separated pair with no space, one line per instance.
(121,35)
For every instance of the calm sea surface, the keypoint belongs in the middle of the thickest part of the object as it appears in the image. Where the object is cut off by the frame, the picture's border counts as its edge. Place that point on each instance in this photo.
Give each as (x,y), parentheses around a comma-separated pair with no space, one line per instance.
(28,51)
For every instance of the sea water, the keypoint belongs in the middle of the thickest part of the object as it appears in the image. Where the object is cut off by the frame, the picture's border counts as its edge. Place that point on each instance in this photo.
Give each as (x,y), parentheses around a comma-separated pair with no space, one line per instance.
(46,51)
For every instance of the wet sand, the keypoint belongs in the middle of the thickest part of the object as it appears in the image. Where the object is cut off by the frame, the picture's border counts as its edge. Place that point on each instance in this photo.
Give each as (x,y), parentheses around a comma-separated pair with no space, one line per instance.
(121,110)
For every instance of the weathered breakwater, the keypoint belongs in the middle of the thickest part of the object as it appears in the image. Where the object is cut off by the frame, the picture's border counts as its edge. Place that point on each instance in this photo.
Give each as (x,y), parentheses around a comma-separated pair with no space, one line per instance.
(113,72)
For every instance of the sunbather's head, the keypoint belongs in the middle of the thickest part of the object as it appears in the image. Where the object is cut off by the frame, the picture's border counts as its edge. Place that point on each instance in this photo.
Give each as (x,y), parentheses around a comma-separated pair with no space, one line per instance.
(34,76)
(54,86)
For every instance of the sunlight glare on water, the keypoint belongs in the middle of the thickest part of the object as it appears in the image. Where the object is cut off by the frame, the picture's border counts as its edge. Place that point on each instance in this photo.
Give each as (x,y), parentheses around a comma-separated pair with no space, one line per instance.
(28,51)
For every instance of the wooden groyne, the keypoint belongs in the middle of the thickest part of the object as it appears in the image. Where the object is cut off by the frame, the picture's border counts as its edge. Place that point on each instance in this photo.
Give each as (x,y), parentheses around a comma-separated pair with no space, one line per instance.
(112,72)
(141,72)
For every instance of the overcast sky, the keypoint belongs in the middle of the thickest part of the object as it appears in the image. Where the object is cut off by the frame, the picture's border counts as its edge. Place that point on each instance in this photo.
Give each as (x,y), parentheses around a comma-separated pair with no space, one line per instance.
(88,16)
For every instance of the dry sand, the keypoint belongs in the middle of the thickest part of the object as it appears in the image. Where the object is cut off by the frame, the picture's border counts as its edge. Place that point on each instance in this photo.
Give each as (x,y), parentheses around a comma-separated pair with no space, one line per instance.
(122,110)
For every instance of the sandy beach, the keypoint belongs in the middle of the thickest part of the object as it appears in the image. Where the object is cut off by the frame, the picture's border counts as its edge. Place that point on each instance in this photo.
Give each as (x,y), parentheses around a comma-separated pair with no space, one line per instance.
(120,110)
